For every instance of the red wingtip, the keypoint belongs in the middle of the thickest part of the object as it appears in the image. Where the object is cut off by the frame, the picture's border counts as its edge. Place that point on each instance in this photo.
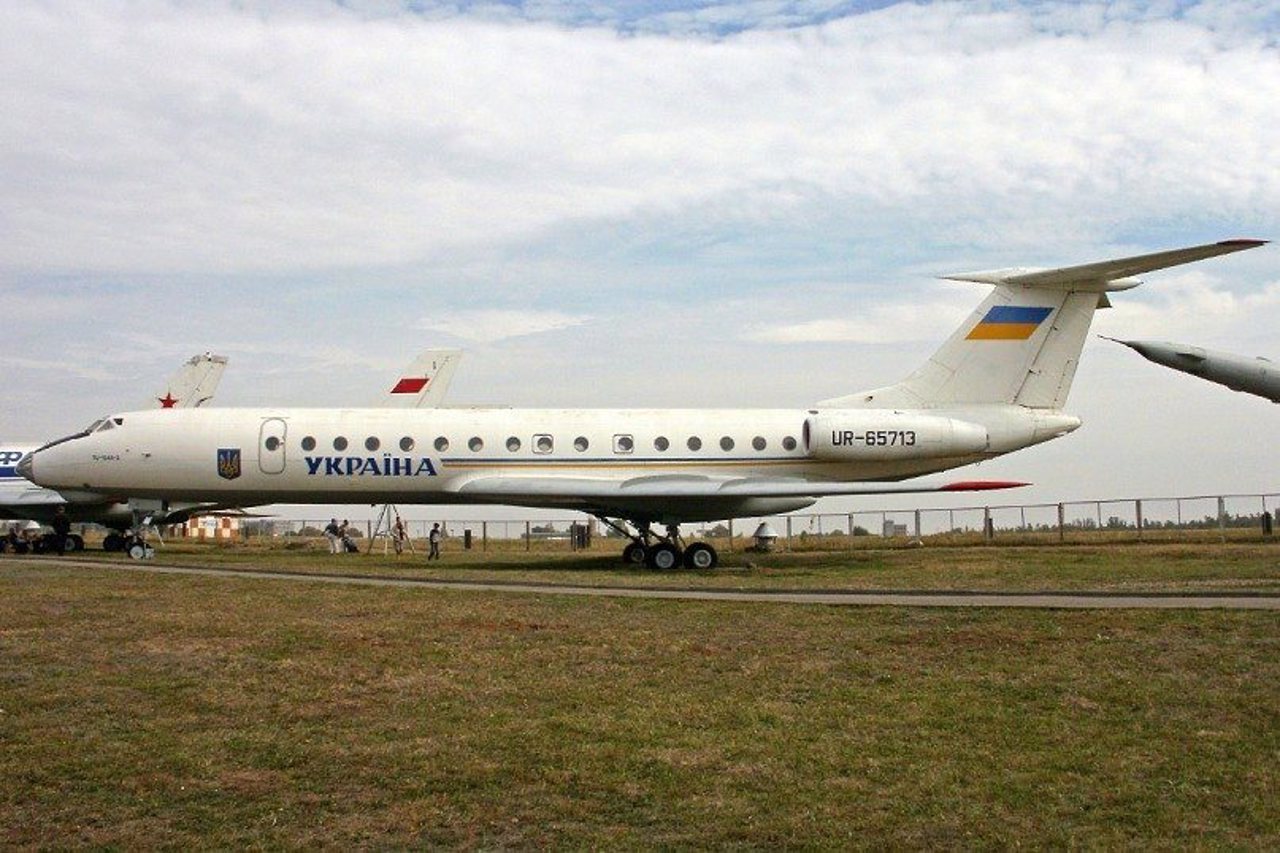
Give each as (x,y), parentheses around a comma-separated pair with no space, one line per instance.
(982,485)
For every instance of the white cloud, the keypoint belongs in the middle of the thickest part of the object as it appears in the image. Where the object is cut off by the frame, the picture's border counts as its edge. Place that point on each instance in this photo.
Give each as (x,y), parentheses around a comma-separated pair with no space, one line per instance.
(710,218)
(487,326)
(880,324)
(204,137)
(1193,307)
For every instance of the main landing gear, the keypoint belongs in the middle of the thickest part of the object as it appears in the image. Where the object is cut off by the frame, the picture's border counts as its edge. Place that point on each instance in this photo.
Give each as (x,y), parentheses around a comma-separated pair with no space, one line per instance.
(663,552)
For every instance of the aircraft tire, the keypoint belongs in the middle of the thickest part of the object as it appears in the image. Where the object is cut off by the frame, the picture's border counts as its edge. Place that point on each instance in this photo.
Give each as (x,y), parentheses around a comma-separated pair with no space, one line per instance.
(113,542)
(664,557)
(635,554)
(75,543)
(701,557)
(137,551)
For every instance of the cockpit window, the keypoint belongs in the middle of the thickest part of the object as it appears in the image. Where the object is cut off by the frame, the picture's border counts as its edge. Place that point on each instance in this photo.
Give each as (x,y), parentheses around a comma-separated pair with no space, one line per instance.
(106,425)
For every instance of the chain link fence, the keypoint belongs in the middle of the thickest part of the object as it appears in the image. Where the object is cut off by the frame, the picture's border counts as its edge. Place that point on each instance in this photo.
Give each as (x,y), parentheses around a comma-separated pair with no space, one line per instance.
(1171,519)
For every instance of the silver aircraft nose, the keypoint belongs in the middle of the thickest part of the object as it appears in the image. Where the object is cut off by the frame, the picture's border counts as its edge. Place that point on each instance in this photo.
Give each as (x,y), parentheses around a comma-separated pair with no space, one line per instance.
(24,466)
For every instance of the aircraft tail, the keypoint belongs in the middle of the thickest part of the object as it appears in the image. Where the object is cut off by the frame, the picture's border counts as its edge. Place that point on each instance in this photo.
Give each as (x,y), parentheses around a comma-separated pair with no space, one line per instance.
(424,383)
(1021,346)
(193,385)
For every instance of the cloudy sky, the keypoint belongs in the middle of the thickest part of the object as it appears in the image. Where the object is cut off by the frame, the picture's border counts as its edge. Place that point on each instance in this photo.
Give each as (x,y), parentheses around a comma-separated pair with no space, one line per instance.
(636,203)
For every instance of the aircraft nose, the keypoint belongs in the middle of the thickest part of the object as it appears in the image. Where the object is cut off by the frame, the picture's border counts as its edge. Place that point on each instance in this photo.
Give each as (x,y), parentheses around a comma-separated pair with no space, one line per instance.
(24,466)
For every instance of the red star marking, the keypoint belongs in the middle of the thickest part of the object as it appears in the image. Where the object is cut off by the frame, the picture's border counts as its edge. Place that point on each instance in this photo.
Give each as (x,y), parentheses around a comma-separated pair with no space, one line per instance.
(168,401)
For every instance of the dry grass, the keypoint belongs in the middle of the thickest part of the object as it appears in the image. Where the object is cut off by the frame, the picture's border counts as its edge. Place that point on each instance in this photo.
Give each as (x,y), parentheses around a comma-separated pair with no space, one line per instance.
(176,711)
(1165,567)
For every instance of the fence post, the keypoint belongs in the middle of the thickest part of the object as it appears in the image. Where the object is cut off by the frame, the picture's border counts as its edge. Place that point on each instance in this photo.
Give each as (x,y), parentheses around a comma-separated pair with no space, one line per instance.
(988,529)
(1222,518)
(788,533)
(1137,514)
(528,535)
(918,541)
(484,536)
(730,548)
(850,531)
(1062,523)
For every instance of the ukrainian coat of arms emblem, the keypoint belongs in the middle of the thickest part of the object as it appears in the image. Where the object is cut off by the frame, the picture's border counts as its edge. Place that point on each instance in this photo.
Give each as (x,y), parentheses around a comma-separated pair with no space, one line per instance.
(229,463)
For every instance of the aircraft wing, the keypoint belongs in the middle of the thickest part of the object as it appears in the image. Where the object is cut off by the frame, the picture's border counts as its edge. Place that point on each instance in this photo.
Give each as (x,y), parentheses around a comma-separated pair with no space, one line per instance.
(689,498)
(424,382)
(1098,274)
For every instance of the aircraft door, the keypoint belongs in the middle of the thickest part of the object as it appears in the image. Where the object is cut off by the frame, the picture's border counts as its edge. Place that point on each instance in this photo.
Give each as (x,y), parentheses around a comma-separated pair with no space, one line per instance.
(271,446)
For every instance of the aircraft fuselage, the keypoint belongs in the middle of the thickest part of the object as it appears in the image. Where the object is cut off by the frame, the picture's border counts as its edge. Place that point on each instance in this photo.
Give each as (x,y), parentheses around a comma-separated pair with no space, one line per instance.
(252,457)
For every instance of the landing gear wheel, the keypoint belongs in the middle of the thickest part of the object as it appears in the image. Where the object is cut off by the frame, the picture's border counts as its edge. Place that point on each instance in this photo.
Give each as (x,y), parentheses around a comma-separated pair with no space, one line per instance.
(635,554)
(664,557)
(74,543)
(139,550)
(113,542)
(701,557)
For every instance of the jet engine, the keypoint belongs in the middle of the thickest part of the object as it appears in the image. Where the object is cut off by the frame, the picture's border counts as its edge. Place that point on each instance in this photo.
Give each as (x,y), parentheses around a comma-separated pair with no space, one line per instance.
(857,436)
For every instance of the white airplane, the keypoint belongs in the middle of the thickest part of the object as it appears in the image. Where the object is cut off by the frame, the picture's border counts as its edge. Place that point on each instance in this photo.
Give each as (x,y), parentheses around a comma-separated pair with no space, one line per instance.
(1259,376)
(191,386)
(997,385)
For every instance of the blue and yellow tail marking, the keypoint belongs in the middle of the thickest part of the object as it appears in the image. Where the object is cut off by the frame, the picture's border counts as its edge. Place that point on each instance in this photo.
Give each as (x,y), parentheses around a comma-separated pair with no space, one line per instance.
(1009,323)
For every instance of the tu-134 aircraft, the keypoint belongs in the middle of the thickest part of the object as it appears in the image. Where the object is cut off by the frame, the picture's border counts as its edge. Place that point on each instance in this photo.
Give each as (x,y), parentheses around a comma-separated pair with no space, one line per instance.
(998,384)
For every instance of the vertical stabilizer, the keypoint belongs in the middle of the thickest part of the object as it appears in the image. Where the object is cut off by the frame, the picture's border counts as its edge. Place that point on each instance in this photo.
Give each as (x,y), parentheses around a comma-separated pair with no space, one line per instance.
(193,385)
(1022,345)
(424,383)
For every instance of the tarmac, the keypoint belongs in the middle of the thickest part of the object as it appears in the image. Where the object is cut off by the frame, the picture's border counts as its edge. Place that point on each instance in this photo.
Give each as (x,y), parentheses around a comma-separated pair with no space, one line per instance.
(1074,600)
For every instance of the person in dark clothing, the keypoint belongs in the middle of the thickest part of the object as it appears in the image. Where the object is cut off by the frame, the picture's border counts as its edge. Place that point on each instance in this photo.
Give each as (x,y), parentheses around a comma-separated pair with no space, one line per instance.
(434,539)
(61,529)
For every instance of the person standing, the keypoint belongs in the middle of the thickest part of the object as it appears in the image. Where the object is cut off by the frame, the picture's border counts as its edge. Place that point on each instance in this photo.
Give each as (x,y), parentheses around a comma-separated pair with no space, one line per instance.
(434,540)
(398,535)
(61,530)
(331,533)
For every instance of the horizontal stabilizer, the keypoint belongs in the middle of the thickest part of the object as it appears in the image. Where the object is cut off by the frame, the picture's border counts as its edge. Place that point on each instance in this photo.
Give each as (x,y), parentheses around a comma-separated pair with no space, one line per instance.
(1104,275)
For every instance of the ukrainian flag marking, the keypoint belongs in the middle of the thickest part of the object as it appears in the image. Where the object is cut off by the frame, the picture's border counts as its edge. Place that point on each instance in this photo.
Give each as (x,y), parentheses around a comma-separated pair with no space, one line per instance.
(1009,323)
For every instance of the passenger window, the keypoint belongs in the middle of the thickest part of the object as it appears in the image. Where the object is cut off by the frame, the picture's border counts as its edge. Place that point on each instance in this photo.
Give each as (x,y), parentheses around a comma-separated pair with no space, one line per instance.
(788,443)
(476,444)
(726,443)
(272,443)
(623,444)
(308,444)
(759,443)
(513,444)
(660,443)
(340,443)
(371,443)
(406,444)
(543,444)
(442,444)
(694,443)
(581,444)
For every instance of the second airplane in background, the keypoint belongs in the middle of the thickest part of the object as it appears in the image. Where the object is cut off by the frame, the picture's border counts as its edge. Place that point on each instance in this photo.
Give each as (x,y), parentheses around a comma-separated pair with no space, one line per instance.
(1257,376)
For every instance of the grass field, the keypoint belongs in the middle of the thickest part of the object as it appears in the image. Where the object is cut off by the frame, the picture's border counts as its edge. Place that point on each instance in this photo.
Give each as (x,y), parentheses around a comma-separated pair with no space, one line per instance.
(140,710)
(1233,566)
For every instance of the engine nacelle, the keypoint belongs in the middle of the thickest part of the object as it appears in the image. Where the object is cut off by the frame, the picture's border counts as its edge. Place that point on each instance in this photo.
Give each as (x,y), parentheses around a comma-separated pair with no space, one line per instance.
(856,436)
